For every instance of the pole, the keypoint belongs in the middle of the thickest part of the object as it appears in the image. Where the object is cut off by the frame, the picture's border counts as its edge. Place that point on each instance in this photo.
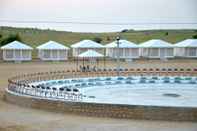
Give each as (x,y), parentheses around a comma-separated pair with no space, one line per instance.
(83,62)
(104,59)
(118,58)
(77,64)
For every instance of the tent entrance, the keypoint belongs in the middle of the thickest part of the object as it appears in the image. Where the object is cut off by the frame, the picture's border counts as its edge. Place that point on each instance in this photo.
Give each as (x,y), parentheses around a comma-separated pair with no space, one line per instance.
(163,54)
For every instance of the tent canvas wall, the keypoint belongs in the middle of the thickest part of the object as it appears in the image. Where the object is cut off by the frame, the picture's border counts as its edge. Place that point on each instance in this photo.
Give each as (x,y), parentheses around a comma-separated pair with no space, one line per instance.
(186,48)
(86,45)
(52,51)
(156,49)
(17,51)
(126,49)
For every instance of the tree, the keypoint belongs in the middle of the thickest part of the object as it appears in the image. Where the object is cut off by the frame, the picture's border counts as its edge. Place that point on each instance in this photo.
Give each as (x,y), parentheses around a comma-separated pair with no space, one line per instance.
(194,36)
(124,30)
(98,39)
(10,38)
(166,33)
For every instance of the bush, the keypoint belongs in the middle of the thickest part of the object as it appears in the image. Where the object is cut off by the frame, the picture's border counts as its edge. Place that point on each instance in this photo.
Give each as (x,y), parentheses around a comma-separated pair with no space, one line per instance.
(166,33)
(9,39)
(108,38)
(124,31)
(194,36)
(98,39)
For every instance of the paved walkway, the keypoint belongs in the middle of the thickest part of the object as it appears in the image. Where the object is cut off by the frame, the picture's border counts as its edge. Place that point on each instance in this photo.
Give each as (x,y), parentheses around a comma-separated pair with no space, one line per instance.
(15,118)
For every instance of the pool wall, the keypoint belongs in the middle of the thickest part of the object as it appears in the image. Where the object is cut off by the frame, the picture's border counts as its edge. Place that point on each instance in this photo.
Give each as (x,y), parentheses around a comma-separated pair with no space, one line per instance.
(105,110)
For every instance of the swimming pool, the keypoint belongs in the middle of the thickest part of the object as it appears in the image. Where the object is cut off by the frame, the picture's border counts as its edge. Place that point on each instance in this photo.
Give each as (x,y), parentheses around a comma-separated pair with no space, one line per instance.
(131,90)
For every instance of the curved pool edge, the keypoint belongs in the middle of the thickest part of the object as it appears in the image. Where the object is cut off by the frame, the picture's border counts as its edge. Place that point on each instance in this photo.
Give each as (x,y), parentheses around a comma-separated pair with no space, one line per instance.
(105,110)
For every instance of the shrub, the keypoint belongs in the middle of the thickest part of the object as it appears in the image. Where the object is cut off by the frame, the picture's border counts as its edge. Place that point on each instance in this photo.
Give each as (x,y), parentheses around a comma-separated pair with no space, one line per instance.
(108,38)
(125,30)
(98,39)
(166,33)
(194,36)
(9,39)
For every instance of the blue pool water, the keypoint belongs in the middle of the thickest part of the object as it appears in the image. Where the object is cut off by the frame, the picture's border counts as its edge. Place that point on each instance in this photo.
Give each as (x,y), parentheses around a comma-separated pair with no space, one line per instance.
(135,90)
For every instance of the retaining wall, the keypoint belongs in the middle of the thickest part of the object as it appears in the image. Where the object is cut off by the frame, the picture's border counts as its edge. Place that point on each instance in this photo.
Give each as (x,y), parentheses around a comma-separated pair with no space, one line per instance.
(105,110)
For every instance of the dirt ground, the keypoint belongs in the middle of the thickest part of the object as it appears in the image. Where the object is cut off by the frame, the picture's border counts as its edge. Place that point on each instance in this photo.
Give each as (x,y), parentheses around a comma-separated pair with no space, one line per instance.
(16,118)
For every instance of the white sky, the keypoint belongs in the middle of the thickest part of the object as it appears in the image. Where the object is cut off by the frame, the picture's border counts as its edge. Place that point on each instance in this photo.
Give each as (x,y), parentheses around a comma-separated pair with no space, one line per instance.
(114,11)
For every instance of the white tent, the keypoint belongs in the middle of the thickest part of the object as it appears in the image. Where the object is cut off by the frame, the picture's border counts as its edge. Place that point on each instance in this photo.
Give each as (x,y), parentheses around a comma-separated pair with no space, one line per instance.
(90,54)
(85,45)
(186,48)
(126,49)
(156,49)
(17,51)
(52,51)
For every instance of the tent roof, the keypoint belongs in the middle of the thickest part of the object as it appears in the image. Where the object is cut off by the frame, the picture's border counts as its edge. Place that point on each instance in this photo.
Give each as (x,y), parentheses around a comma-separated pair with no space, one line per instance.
(123,44)
(156,43)
(87,44)
(16,45)
(52,45)
(90,53)
(187,43)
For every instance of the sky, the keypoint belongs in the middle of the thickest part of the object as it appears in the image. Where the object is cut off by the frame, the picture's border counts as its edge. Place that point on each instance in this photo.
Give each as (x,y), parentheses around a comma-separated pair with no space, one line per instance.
(135,12)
